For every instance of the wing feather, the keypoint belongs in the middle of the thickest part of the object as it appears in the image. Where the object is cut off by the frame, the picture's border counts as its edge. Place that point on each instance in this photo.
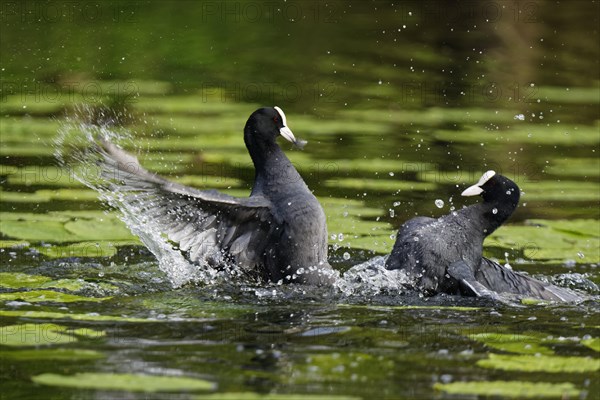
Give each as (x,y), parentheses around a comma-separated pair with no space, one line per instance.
(204,223)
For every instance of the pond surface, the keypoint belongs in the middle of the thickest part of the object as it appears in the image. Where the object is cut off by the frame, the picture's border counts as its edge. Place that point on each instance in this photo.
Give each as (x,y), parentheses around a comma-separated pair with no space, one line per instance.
(403,104)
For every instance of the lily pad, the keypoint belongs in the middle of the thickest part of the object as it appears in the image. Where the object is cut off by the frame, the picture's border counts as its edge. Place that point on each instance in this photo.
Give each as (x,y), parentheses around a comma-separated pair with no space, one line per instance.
(109,228)
(60,227)
(195,104)
(580,167)
(523,134)
(37,231)
(511,389)
(562,95)
(561,191)
(34,335)
(593,343)
(513,343)
(17,280)
(552,364)
(77,317)
(25,150)
(430,308)
(380,185)
(43,175)
(10,244)
(84,249)
(125,382)
(272,396)
(546,243)
(88,333)
(339,367)
(53,354)
(583,227)
(35,296)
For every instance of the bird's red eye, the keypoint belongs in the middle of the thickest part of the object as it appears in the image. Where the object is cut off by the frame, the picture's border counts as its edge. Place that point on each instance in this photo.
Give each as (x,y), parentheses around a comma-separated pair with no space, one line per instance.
(275,119)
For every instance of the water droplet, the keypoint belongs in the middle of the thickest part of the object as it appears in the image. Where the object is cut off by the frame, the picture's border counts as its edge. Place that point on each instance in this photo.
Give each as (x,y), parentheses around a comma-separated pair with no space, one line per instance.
(520,117)
(391,173)
(416,239)
(580,254)
(494,211)
(340,237)
(346,256)
(439,203)
(392,213)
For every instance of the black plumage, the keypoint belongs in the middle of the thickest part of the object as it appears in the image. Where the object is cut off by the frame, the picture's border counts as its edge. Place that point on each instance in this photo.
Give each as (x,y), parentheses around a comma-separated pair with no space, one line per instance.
(279,232)
(445,255)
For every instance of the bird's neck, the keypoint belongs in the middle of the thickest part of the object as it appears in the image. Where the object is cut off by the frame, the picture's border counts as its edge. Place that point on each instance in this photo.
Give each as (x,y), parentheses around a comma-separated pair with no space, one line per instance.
(274,170)
(489,216)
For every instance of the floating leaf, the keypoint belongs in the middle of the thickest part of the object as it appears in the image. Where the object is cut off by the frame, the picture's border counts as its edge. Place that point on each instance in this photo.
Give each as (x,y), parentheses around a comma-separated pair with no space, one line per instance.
(431,308)
(126,382)
(34,335)
(43,175)
(37,231)
(35,296)
(17,280)
(593,343)
(42,196)
(512,389)
(580,167)
(60,227)
(583,227)
(8,244)
(84,249)
(76,317)
(523,133)
(381,185)
(99,229)
(545,243)
(339,367)
(514,343)
(272,396)
(53,354)
(88,332)
(561,191)
(554,364)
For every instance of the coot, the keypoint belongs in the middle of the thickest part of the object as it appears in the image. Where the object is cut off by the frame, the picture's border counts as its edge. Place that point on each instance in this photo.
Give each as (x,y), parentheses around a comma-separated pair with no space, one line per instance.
(278,232)
(444,255)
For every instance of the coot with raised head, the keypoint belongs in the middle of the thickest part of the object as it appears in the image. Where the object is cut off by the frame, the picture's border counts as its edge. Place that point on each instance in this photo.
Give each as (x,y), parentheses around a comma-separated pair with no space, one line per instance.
(445,255)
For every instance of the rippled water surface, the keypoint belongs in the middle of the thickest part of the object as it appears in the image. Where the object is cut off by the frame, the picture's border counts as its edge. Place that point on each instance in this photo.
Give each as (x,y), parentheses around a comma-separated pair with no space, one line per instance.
(403,104)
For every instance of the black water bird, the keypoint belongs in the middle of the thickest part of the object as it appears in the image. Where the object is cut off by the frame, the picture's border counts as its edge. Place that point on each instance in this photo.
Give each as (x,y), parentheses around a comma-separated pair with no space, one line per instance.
(445,255)
(278,232)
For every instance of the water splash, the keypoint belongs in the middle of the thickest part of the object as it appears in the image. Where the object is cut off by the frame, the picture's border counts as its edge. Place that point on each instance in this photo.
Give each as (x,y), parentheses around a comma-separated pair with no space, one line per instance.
(372,278)
(77,149)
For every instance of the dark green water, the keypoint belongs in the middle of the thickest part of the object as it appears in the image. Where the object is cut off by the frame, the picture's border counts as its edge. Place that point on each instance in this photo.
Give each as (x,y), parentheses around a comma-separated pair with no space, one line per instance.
(402,103)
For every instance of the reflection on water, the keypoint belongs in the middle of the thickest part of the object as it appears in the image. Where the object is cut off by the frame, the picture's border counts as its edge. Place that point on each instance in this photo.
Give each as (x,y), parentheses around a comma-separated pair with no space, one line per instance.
(403,104)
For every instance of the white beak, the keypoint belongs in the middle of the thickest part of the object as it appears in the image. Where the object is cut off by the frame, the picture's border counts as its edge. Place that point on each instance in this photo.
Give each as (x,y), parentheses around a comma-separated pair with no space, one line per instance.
(472,191)
(287,134)
(476,188)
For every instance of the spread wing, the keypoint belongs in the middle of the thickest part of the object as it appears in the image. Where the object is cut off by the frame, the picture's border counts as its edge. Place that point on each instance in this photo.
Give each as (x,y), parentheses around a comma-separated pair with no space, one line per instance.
(501,279)
(208,226)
